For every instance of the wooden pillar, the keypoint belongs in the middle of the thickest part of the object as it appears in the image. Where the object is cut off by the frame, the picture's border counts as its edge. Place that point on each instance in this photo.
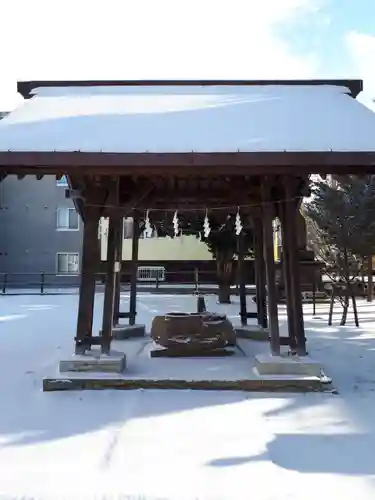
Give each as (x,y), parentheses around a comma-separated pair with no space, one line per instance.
(119,238)
(290,246)
(116,305)
(260,281)
(242,281)
(267,212)
(134,270)
(286,256)
(370,281)
(89,261)
(110,283)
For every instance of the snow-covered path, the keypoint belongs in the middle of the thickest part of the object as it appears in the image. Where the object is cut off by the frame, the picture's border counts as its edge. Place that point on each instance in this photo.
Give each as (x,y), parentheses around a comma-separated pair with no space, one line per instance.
(181,444)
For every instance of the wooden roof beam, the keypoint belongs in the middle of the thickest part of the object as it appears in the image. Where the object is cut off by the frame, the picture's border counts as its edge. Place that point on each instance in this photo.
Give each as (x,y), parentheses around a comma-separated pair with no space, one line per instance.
(25,88)
(186,164)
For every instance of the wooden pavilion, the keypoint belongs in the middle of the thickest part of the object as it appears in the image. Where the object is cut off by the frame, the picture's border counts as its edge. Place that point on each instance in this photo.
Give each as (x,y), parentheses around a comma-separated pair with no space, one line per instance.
(129,147)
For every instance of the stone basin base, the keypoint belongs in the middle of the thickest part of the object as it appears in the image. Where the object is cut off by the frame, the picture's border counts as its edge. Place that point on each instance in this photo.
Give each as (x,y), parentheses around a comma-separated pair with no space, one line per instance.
(208,330)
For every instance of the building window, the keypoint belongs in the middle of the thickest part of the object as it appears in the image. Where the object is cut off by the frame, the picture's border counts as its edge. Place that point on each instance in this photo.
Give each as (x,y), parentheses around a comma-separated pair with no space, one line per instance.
(67,219)
(62,182)
(67,263)
(127,227)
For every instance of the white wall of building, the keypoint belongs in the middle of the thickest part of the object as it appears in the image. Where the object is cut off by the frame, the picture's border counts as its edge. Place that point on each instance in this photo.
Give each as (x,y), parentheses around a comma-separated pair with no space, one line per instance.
(158,249)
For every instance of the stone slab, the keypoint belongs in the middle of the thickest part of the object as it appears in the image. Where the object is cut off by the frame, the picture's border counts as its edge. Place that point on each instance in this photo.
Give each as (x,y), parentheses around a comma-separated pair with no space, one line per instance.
(190,352)
(308,384)
(253,332)
(94,361)
(124,332)
(257,333)
(237,372)
(266,364)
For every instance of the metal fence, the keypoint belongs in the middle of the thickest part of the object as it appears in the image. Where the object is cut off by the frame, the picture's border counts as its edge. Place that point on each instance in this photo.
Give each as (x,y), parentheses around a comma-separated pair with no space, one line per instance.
(149,279)
(41,283)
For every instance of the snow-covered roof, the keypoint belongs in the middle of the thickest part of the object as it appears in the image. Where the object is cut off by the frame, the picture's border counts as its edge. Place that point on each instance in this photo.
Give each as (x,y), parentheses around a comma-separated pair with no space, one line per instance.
(180,119)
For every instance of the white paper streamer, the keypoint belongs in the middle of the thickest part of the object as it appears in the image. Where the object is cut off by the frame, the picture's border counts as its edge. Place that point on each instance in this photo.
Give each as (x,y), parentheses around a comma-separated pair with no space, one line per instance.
(238,223)
(206,226)
(148,227)
(176,224)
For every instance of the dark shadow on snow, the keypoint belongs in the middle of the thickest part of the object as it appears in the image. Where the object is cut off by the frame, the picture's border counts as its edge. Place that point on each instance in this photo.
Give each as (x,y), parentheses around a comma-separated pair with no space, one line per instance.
(349,454)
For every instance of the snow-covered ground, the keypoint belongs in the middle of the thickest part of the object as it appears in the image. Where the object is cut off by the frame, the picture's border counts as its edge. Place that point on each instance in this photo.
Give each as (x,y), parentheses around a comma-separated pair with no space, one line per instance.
(181,444)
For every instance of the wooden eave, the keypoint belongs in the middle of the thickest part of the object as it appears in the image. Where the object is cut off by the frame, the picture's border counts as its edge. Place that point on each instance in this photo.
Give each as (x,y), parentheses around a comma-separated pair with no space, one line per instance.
(25,88)
(186,164)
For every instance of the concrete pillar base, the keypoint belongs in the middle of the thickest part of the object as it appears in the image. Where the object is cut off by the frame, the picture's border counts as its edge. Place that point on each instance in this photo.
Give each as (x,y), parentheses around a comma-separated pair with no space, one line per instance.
(304,366)
(94,361)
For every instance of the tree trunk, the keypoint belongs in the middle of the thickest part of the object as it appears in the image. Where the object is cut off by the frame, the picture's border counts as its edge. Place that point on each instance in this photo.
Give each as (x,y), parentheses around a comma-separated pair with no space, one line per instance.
(347,281)
(363,272)
(224,274)
(346,306)
(369,279)
(355,310)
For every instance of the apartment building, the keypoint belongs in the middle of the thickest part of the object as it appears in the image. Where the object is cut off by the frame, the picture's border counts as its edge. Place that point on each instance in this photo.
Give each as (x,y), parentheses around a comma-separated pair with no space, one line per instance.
(40,232)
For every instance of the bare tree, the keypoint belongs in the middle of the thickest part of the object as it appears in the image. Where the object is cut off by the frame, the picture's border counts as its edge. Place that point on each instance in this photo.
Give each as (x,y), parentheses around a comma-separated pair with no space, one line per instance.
(341,215)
